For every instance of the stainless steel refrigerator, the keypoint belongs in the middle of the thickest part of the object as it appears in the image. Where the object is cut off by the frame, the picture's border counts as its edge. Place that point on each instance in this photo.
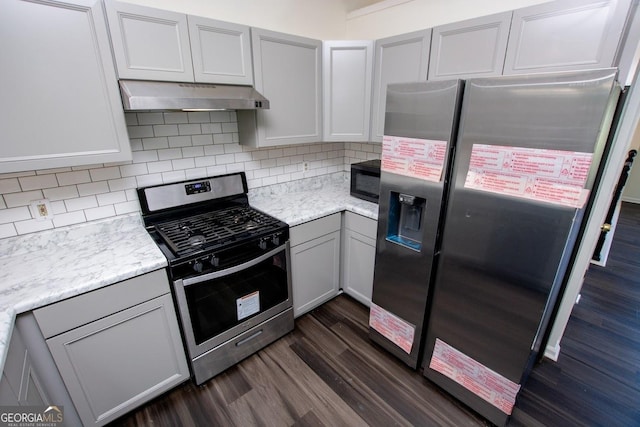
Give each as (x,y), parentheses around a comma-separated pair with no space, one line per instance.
(420,127)
(527,153)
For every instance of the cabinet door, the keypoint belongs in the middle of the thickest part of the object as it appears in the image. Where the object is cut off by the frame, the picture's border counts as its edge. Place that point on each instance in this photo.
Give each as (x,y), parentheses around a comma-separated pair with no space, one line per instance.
(221,51)
(60,103)
(565,35)
(115,364)
(398,59)
(315,272)
(471,48)
(149,44)
(7,395)
(288,72)
(20,374)
(358,266)
(348,72)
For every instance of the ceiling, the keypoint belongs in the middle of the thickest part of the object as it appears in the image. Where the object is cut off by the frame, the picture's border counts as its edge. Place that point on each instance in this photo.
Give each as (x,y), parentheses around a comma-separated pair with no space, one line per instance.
(351,5)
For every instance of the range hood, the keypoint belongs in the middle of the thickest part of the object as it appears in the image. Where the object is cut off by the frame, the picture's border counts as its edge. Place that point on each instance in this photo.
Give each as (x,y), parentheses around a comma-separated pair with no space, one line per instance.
(138,95)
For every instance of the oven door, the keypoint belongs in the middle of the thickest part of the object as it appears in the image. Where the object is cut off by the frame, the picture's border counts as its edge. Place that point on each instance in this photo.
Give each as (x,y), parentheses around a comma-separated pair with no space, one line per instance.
(217,306)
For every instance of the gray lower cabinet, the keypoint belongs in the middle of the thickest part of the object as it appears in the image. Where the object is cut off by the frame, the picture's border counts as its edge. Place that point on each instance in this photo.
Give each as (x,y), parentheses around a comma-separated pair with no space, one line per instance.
(315,262)
(60,103)
(471,48)
(117,347)
(397,59)
(566,35)
(21,384)
(288,72)
(358,256)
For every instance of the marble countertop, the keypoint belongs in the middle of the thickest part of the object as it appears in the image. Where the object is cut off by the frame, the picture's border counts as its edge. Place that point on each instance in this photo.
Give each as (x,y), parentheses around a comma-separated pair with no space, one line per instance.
(42,268)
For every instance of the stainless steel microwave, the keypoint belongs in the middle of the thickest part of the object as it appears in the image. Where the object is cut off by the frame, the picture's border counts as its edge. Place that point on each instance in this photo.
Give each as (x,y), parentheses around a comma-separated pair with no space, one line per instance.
(365,180)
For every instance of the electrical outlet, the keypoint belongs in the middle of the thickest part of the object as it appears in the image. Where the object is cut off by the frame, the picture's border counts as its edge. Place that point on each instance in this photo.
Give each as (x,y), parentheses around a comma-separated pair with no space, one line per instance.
(41,209)
(305,166)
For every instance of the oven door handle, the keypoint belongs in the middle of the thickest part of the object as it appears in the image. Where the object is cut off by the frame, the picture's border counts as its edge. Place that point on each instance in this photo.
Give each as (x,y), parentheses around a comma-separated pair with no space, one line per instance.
(216,274)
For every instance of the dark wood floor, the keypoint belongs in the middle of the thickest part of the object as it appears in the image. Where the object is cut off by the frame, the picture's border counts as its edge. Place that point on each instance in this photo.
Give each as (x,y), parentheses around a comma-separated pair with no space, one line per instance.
(327,372)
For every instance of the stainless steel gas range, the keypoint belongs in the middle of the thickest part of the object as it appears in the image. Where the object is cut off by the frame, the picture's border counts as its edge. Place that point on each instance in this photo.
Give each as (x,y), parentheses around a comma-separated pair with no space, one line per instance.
(229,265)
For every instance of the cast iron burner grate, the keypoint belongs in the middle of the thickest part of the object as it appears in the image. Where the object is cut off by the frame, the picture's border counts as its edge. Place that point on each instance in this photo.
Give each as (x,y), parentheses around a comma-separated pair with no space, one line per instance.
(197,232)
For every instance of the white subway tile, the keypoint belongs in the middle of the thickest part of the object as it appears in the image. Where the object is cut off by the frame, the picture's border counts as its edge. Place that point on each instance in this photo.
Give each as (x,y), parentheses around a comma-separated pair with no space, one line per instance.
(233,117)
(3,205)
(93,188)
(14,214)
(283,161)
(189,129)
(192,151)
(127,207)
(173,176)
(81,203)
(188,163)
(284,178)
(170,154)
(87,167)
(165,130)
(151,179)
(251,166)
(211,127)
(260,154)
(196,173)
(235,167)
(123,184)
(53,170)
(136,144)
(144,156)
(198,117)
(98,213)
(69,218)
(297,159)
(131,119)
(213,150)
(304,149)
(157,167)
(176,117)
(131,194)
(219,116)
(270,163)
(134,169)
(202,139)
(205,161)
(180,141)
(232,148)
(224,159)
(235,138)
(71,178)
(216,170)
(111,198)
(58,207)
(261,173)
(291,168)
(38,182)
(16,174)
(104,174)
(315,148)
(290,151)
(223,138)
(7,230)
(150,119)
(279,170)
(32,225)
(140,131)
(269,180)
(22,199)
(155,143)
(242,157)
(254,183)
(11,185)
(230,127)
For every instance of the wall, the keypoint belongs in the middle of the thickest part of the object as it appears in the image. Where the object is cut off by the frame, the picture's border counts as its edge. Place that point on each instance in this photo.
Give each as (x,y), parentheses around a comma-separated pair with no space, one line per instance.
(392,17)
(167,147)
(319,19)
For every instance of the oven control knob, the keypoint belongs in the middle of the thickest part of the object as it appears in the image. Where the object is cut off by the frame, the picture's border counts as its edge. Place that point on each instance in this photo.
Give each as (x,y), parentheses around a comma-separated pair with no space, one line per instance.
(275,240)
(215,261)
(263,244)
(197,266)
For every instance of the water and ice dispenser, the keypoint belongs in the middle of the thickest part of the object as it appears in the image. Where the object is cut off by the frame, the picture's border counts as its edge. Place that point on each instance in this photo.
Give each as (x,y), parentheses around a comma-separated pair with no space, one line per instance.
(406,220)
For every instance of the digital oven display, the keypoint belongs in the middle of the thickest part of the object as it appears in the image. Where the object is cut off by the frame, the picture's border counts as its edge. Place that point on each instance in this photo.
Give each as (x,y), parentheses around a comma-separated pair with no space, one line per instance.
(198,187)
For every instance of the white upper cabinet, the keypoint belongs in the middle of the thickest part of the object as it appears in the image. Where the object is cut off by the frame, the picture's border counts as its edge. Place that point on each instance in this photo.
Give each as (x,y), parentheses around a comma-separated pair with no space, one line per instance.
(155,44)
(288,72)
(565,35)
(347,71)
(221,51)
(150,44)
(398,59)
(471,48)
(60,105)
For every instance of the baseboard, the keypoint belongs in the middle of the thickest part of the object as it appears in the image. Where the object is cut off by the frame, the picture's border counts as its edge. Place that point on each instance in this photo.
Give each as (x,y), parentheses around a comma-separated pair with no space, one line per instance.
(552,352)
(630,199)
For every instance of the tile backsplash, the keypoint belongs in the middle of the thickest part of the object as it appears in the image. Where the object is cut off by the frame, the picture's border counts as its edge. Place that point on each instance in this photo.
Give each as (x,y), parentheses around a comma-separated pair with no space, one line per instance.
(167,147)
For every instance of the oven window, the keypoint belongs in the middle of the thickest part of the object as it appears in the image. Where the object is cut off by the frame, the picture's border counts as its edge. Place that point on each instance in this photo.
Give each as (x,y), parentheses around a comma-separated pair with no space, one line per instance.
(222,303)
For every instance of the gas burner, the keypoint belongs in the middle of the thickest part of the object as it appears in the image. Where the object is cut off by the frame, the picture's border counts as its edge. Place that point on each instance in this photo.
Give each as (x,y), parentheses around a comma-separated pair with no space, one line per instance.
(196,240)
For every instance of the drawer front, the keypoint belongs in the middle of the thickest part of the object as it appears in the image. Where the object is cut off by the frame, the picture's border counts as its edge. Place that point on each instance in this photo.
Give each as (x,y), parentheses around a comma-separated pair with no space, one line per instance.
(360,224)
(316,228)
(65,315)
